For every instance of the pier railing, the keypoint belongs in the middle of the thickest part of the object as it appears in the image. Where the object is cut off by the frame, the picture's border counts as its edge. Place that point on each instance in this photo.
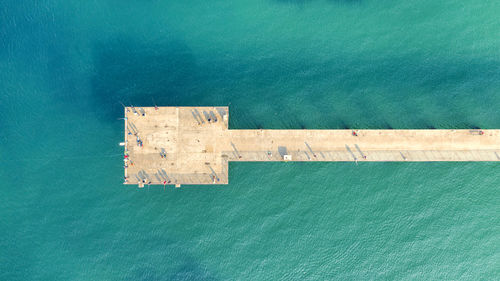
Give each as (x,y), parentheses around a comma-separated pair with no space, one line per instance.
(353,154)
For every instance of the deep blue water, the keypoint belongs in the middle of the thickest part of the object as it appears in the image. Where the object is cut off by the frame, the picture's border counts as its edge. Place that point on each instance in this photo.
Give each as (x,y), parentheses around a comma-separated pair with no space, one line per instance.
(65,66)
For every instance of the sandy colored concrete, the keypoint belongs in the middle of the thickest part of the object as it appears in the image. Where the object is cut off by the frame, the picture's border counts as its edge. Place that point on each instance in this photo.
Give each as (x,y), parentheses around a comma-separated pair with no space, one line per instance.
(198,151)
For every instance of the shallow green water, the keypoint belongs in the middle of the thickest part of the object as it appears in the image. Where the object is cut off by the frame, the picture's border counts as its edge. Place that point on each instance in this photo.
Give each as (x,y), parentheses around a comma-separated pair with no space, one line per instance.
(66,65)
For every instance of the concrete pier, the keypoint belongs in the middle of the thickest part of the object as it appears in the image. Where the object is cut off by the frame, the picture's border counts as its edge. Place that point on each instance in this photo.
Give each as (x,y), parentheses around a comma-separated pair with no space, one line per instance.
(193,145)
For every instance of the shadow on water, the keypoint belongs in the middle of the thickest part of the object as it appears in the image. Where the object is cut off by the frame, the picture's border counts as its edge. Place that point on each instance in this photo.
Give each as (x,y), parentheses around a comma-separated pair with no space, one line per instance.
(344,92)
(133,72)
(404,92)
(188,269)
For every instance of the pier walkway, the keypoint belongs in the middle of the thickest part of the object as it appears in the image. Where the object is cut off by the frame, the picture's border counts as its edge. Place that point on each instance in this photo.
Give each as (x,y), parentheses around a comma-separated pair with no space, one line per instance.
(193,145)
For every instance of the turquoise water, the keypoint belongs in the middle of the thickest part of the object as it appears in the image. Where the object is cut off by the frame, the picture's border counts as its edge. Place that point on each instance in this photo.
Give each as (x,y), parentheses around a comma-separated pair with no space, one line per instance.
(66,65)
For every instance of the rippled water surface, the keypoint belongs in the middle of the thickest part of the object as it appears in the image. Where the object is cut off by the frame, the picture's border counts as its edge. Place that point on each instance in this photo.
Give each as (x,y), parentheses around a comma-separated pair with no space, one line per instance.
(65,66)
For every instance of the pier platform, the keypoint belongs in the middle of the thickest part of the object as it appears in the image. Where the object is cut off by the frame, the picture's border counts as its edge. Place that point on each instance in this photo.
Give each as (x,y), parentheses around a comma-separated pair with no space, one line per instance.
(193,145)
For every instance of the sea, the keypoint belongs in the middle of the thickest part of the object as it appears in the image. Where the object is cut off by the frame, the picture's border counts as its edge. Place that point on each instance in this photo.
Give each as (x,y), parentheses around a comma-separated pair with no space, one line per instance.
(66,67)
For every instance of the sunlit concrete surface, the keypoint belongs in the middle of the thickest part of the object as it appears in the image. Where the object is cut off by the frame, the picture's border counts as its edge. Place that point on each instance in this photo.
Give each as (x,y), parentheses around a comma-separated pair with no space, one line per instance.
(192,145)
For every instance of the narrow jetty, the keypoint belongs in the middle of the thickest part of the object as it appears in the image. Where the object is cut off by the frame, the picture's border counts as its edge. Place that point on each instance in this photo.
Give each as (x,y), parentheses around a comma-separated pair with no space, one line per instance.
(193,145)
